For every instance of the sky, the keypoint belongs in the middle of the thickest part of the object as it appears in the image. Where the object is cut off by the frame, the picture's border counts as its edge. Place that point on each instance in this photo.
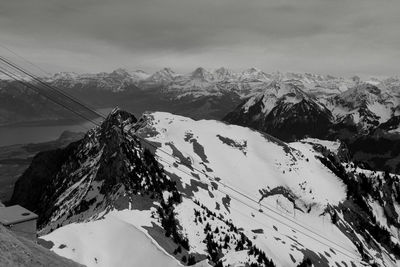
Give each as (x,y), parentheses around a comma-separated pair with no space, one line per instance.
(337,37)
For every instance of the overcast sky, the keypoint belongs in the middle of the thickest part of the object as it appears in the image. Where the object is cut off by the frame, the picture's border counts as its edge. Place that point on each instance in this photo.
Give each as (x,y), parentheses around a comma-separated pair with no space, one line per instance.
(339,37)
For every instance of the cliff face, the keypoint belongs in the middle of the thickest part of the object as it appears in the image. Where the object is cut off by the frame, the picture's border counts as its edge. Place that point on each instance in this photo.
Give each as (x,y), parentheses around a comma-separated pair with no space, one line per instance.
(88,176)
(36,180)
(99,158)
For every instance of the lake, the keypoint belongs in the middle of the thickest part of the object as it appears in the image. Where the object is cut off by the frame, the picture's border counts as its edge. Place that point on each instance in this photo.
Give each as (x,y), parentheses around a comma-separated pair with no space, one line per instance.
(11,135)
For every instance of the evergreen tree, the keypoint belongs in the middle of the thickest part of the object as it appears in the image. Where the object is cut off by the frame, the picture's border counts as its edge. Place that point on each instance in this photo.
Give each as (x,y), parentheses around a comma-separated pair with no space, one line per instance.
(334,217)
(191,260)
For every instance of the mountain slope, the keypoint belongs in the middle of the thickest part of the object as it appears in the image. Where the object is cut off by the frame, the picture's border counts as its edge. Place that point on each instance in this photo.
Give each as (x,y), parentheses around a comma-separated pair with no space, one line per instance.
(126,245)
(213,194)
(364,106)
(191,94)
(363,116)
(18,251)
(93,179)
(283,110)
(279,175)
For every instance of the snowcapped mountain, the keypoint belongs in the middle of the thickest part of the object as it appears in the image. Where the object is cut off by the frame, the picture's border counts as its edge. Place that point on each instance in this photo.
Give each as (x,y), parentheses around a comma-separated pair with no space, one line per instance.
(194,84)
(207,193)
(321,86)
(254,74)
(365,113)
(357,106)
(198,83)
(353,104)
(159,78)
(364,105)
(202,82)
(116,81)
(224,74)
(283,110)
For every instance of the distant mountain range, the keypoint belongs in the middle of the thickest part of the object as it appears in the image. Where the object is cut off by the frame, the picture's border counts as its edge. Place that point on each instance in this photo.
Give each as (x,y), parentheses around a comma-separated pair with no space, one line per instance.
(289,106)
(205,94)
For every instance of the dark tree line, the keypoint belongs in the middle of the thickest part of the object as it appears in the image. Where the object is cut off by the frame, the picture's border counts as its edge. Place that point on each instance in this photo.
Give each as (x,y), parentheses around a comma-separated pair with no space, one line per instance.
(359,187)
(217,240)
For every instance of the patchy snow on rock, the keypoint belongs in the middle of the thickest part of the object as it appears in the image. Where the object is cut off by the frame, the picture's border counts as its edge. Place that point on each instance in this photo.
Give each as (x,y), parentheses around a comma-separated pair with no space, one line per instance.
(333,146)
(210,154)
(267,163)
(238,190)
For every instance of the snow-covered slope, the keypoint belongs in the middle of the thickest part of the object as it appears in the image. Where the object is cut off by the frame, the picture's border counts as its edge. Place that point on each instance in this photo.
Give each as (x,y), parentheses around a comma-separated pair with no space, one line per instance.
(286,178)
(248,152)
(225,195)
(364,105)
(114,240)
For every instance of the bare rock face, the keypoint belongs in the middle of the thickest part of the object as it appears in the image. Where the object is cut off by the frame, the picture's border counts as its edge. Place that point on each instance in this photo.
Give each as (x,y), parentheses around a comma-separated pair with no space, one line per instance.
(88,174)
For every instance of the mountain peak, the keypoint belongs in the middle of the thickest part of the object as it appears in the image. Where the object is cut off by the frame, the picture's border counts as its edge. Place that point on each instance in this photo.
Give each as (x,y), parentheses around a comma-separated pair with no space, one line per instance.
(120,72)
(65,75)
(361,93)
(168,71)
(163,76)
(140,74)
(201,73)
(223,73)
(118,118)
(253,70)
(254,74)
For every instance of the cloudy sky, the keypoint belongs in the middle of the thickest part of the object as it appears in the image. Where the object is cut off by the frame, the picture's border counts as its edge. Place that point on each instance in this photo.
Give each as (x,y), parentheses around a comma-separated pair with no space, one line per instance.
(340,37)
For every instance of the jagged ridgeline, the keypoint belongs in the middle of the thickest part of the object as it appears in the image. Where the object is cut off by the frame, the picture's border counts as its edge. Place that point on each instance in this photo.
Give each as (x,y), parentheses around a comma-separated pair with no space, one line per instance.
(211,194)
(89,175)
(108,170)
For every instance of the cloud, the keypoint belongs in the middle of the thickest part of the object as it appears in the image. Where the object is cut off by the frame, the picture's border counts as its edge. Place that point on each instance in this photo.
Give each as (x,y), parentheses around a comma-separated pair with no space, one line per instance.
(339,37)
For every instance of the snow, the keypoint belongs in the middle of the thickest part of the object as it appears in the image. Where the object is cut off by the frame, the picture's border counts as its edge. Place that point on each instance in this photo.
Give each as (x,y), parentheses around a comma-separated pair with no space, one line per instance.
(343,96)
(226,168)
(112,241)
(264,163)
(333,146)
(378,212)
(383,111)
(378,102)
(267,162)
